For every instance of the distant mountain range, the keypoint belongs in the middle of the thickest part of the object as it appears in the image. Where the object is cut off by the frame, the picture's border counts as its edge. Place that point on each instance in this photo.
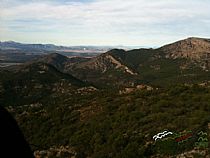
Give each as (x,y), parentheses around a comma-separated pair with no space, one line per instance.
(16,45)
(185,61)
(51,47)
(14,52)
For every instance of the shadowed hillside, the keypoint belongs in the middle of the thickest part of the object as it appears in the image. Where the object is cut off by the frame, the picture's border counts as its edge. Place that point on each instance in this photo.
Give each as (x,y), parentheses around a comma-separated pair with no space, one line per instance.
(13,143)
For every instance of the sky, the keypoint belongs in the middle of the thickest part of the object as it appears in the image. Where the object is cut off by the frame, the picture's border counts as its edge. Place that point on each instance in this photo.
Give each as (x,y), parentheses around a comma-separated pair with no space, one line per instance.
(103,22)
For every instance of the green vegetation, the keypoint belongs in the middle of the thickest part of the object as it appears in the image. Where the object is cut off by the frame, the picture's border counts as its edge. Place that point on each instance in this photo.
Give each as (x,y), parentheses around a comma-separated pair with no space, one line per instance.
(105,124)
(56,110)
(32,83)
(155,69)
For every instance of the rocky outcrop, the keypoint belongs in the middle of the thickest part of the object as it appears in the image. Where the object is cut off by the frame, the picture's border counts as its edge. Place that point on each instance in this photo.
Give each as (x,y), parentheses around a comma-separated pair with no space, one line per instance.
(193,153)
(133,89)
(193,48)
(104,63)
(61,151)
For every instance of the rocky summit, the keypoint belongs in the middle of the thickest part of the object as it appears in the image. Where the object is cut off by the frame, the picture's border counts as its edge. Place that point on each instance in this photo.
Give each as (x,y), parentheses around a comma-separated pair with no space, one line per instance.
(192,48)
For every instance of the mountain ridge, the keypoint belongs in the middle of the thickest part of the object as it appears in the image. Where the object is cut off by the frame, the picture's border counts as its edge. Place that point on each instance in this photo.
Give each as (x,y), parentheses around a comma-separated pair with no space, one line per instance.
(177,61)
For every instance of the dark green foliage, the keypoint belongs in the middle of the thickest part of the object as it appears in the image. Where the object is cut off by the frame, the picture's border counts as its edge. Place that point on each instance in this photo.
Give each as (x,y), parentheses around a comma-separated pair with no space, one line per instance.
(124,125)
(32,83)
(154,68)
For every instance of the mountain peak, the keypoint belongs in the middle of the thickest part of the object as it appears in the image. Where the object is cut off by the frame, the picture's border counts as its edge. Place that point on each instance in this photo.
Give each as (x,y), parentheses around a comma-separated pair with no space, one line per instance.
(55,59)
(196,39)
(192,47)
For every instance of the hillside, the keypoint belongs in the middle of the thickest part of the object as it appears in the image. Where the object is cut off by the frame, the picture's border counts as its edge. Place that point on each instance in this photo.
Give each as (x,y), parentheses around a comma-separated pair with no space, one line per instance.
(30,83)
(140,93)
(159,67)
(107,124)
(104,69)
(193,48)
(154,68)
(13,143)
(54,59)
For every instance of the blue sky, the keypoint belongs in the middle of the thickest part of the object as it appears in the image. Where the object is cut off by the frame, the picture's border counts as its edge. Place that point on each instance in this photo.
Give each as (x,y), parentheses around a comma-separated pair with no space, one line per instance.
(103,22)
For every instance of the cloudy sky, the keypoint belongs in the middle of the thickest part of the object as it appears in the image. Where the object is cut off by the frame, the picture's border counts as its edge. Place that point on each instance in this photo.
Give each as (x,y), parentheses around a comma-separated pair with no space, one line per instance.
(103,22)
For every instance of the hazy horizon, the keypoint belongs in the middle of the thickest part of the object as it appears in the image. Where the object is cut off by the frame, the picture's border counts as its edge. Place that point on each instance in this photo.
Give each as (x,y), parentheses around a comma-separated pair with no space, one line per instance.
(137,23)
(126,46)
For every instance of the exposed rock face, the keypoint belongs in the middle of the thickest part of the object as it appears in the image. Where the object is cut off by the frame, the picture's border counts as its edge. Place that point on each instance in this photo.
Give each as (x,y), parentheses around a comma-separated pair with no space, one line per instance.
(104,63)
(193,48)
(62,151)
(192,153)
(138,87)
(145,87)
(86,90)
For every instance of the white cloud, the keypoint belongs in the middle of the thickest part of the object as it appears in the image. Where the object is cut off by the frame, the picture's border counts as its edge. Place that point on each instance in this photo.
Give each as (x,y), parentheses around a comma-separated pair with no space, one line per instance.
(134,22)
